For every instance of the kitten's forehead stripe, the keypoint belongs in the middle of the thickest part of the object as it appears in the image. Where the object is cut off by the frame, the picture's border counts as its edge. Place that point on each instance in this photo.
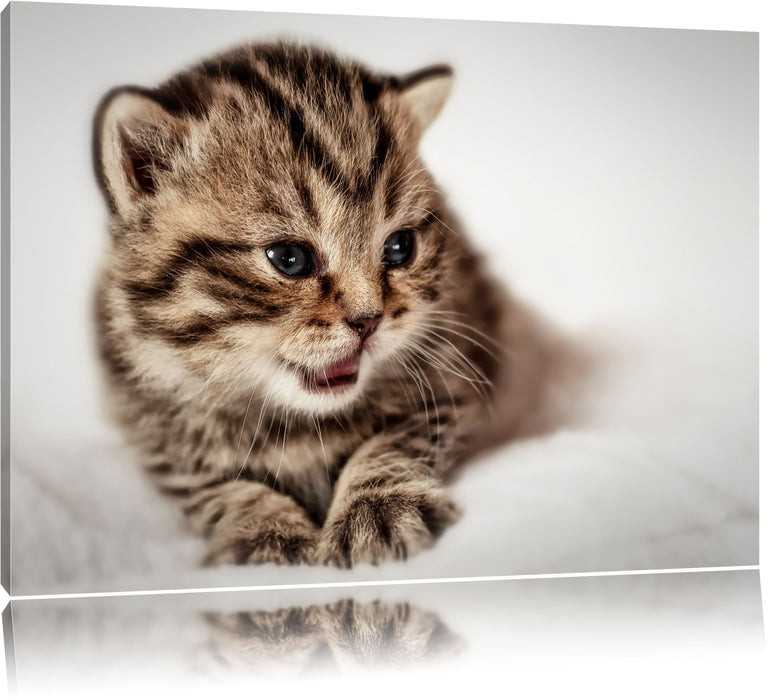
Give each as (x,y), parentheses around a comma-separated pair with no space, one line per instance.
(391,198)
(306,199)
(365,185)
(304,141)
(321,79)
(316,71)
(244,75)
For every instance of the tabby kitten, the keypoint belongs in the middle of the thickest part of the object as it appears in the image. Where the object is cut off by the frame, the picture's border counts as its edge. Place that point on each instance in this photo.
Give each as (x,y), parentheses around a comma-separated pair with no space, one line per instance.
(299,340)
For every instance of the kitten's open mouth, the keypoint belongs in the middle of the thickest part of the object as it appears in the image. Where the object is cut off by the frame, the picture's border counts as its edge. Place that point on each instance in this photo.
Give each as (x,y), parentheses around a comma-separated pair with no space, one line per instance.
(335,377)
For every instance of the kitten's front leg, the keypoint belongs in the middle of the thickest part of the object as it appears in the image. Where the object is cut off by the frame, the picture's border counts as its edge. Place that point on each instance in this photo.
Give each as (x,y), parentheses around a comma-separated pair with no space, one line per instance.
(246,522)
(388,504)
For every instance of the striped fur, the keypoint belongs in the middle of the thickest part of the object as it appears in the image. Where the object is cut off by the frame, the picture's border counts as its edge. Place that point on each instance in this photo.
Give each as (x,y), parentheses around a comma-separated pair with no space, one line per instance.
(206,344)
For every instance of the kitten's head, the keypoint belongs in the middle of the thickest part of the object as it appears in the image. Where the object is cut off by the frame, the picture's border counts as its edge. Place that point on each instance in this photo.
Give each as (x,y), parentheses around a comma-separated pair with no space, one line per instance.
(273,229)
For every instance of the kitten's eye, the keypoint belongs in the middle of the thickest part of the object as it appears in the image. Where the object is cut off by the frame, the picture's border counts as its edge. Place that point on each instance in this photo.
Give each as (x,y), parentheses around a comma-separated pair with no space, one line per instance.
(398,248)
(291,259)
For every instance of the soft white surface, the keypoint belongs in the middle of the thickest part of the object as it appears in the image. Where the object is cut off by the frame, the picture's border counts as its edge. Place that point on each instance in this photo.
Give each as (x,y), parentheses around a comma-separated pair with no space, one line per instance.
(609,174)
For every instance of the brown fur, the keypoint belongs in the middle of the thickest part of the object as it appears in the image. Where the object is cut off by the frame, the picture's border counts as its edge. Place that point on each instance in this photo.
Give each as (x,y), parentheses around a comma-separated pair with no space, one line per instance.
(203,338)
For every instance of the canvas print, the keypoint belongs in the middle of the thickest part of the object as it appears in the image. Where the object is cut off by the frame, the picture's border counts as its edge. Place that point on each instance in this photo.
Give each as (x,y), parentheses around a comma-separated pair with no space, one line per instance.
(288,304)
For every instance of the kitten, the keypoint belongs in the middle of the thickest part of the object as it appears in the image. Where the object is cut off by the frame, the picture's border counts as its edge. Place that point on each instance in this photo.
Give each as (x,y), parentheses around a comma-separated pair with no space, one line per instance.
(299,340)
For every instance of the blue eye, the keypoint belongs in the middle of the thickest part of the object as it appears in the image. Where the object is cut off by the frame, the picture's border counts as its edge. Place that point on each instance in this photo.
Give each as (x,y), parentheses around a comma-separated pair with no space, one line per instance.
(398,248)
(291,259)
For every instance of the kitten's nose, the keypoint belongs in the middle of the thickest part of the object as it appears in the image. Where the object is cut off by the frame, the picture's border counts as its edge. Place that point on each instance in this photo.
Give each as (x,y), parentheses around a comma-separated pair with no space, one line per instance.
(365,326)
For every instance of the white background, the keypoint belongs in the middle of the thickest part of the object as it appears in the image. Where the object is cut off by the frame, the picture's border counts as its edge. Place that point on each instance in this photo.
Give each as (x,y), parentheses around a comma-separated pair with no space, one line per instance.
(746,17)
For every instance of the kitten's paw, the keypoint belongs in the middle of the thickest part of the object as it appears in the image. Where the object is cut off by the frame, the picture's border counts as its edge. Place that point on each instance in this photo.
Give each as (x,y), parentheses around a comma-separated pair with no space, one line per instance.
(378,524)
(284,538)
(264,548)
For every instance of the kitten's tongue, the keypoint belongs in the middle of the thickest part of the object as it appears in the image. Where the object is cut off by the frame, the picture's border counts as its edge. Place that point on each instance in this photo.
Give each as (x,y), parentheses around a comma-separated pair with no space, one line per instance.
(342,372)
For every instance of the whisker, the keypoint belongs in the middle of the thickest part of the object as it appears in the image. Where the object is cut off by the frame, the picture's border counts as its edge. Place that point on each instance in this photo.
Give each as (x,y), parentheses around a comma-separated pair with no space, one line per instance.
(242,428)
(277,441)
(399,375)
(437,361)
(434,326)
(417,381)
(424,380)
(441,316)
(286,421)
(320,439)
(462,357)
(436,411)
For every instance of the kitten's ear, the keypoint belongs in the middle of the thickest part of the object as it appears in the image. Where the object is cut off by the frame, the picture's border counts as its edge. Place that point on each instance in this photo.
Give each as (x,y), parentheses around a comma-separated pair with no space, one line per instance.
(425,92)
(135,139)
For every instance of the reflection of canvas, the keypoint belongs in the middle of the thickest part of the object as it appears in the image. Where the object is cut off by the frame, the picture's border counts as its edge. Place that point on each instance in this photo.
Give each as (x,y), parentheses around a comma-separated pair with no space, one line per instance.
(435,632)
(609,178)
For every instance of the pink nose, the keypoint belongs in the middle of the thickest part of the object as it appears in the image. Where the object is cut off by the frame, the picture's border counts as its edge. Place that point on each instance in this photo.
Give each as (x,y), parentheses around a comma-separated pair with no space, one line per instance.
(365,326)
